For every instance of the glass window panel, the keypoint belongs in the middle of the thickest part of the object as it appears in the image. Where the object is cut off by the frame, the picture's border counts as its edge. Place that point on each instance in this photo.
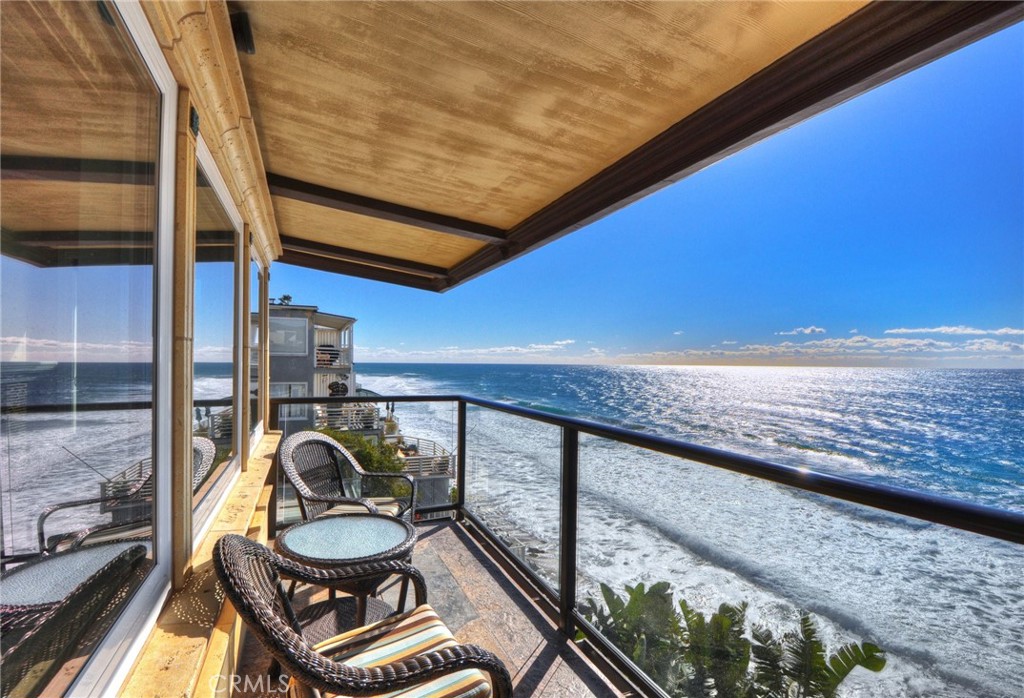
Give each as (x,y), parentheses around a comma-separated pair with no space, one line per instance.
(79,143)
(288,336)
(213,418)
(291,412)
(513,481)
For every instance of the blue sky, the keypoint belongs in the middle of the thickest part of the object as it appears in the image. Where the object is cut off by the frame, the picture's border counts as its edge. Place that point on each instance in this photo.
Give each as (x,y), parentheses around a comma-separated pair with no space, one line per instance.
(886,231)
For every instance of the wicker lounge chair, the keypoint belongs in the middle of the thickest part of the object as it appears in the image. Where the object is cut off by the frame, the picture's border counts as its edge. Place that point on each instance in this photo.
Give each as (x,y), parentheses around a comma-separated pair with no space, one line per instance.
(411,651)
(329,480)
(42,626)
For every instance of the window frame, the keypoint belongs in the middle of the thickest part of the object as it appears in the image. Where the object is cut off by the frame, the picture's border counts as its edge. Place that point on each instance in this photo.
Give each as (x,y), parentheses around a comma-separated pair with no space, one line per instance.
(203,516)
(112,660)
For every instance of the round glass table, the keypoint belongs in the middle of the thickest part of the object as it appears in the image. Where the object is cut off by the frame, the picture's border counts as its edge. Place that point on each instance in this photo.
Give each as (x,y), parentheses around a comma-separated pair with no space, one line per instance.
(342,540)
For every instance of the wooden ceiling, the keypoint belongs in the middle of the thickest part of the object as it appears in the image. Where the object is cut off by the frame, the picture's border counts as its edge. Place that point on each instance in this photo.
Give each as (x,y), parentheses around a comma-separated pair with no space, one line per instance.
(427,142)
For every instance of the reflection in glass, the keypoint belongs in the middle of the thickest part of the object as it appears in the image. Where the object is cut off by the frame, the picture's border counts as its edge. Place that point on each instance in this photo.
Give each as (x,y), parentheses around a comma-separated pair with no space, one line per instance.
(79,149)
(213,418)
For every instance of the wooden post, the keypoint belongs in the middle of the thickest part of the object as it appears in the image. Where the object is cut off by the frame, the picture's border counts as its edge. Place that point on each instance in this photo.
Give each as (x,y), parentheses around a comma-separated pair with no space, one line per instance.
(182,351)
(264,346)
(242,325)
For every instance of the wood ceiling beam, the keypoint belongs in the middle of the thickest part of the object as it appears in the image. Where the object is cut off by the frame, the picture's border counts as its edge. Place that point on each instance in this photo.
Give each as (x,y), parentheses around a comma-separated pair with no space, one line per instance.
(317,195)
(83,238)
(11,246)
(338,266)
(294,244)
(57,169)
(874,45)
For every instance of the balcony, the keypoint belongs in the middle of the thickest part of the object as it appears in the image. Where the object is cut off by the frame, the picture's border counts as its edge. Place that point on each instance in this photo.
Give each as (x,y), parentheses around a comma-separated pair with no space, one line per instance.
(555,517)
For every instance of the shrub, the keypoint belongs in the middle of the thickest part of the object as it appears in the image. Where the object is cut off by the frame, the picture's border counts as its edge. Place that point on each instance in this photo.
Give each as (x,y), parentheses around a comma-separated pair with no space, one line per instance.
(693,656)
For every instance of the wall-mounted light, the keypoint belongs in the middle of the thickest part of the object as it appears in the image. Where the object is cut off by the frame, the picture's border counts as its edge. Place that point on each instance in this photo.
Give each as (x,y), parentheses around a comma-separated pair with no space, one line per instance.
(242,31)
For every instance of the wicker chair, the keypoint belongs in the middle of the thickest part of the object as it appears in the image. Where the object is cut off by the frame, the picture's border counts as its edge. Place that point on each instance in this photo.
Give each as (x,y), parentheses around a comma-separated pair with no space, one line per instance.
(329,480)
(130,509)
(203,453)
(37,638)
(345,664)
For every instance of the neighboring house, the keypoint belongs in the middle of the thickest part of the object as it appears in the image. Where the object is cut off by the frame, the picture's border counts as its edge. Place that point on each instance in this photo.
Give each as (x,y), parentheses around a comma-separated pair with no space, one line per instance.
(311,356)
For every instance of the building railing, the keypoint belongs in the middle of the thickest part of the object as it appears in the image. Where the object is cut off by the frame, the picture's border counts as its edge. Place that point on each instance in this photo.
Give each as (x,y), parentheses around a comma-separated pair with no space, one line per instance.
(561,593)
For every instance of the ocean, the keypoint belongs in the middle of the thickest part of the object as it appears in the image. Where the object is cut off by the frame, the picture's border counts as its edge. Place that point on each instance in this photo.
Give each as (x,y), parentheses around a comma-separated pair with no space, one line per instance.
(947,606)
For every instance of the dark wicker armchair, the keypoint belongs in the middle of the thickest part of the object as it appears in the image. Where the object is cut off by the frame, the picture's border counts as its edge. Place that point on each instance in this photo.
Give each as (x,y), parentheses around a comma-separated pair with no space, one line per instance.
(328,479)
(406,651)
(42,626)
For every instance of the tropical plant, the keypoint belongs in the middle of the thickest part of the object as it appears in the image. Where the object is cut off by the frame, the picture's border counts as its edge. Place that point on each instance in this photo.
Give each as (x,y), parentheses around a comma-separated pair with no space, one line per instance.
(715,653)
(643,625)
(693,656)
(795,666)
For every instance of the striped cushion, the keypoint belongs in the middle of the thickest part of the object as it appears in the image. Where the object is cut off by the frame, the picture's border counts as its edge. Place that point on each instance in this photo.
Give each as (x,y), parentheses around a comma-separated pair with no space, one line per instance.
(400,637)
(386,505)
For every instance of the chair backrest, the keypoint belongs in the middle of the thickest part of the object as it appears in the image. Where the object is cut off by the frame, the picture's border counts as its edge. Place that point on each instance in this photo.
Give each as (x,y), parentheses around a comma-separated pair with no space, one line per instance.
(203,453)
(31,660)
(317,465)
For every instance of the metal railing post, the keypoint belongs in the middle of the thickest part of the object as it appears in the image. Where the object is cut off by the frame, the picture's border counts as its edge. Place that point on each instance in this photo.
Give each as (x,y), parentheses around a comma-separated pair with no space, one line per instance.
(460,462)
(568,531)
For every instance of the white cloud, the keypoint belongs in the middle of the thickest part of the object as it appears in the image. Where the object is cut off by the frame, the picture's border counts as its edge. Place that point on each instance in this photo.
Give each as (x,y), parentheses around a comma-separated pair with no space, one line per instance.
(804,330)
(37,349)
(956,330)
(212,353)
(854,350)
(729,342)
(509,352)
(992,345)
(677,333)
(854,331)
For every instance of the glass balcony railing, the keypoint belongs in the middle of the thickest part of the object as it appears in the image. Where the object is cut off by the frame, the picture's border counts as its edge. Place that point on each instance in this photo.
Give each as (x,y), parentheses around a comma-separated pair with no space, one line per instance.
(699,572)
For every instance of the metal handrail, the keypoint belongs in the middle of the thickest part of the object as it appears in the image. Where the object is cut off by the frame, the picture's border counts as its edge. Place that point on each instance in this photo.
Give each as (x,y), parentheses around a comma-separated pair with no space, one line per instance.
(955,513)
(100,406)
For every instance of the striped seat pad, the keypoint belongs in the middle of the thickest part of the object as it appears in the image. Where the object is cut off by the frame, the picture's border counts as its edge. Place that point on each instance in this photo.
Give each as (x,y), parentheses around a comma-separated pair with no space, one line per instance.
(386,505)
(401,637)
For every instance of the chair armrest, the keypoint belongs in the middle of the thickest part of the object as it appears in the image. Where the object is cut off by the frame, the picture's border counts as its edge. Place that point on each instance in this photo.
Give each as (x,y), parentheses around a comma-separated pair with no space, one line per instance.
(323,673)
(124,528)
(352,574)
(411,482)
(127,499)
(370,506)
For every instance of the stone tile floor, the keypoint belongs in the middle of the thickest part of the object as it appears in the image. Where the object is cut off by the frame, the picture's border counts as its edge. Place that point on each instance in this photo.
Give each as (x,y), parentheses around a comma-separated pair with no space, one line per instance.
(480,606)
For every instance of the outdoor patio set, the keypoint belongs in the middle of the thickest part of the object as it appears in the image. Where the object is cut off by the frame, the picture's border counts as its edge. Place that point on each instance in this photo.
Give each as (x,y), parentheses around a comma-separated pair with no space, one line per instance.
(355,536)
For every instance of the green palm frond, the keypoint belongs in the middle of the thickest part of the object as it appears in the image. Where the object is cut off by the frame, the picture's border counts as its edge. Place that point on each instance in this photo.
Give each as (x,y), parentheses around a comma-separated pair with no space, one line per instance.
(840,664)
(769,677)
